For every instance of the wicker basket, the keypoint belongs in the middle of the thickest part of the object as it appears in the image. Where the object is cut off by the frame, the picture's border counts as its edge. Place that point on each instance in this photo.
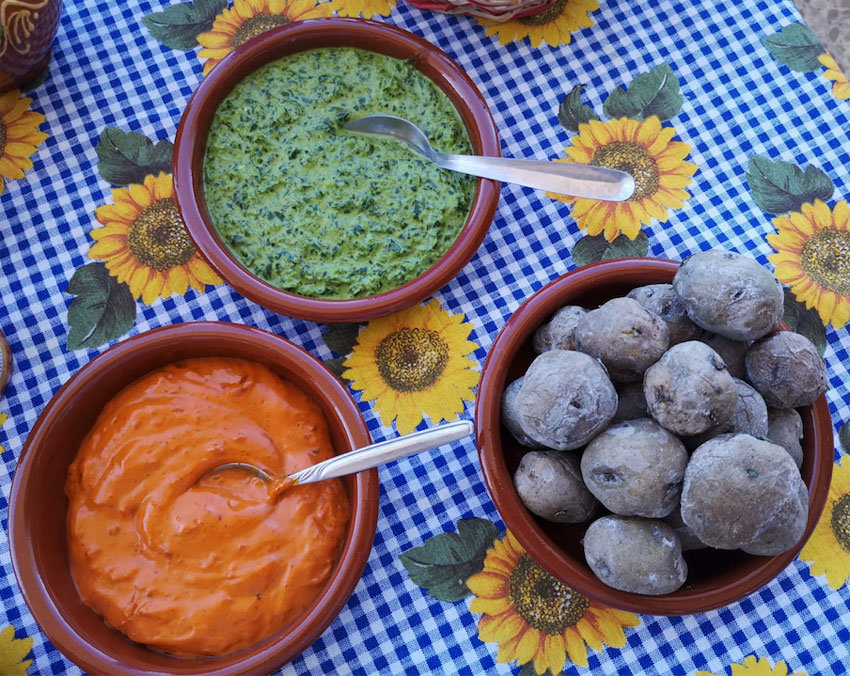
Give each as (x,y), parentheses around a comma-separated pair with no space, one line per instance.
(493,10)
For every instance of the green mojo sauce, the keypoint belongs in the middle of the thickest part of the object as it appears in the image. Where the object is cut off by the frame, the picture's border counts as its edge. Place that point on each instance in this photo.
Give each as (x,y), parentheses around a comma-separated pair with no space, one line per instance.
(321,212)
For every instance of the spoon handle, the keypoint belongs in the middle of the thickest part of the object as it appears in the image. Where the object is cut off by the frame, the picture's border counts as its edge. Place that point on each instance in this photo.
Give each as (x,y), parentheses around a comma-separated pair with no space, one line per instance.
(564,178)
(384,451)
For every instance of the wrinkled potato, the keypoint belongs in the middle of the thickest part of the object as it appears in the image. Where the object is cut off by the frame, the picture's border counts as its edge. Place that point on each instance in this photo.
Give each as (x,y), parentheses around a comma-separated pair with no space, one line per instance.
(689,390)
(785,428)
(732,352)
(742,492)
(642,556)
(730,294)
(560,331)
(662,300)
(549,485)
(510,417)
(787,370)
(624,336)
(566,399)
(631,403)
(635,468)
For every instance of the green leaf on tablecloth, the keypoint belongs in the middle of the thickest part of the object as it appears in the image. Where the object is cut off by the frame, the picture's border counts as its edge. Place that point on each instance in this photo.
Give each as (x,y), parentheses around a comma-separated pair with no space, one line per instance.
(594,248)
(37,81)
(572,112)
(180,25)
(803,321)
(528,669)
(337,366)
(779,187)
(796,46)
(127,157)
(653,93)
(103,309)
(443,564)
(844,437)
(341,338)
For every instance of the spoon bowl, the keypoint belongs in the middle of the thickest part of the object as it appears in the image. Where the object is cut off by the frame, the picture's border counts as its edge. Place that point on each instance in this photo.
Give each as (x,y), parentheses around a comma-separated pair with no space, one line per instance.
(578,180)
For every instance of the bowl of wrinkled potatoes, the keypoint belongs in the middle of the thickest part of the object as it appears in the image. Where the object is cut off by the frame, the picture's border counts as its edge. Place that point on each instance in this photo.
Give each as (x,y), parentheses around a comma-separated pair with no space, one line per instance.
(652,433)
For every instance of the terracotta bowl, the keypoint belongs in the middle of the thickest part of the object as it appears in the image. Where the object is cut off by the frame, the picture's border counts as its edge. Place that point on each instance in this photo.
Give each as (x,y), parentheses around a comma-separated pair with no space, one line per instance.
(38,506)
(28,28)
(715,578)
(190,148)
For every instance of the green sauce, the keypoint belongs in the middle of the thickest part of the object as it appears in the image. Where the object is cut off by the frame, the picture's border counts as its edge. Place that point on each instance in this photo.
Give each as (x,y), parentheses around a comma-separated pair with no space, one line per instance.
(321,212)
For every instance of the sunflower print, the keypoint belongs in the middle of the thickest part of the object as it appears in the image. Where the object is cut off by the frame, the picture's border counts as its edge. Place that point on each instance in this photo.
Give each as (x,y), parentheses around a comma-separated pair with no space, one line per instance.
(828,550)
(12,653)
(840,84)
(144,243)
(365,8)
(647,151)
(19,135)
(813,258)
(249,18)
(554,25)
(534,617)
(414,363)
(753,666)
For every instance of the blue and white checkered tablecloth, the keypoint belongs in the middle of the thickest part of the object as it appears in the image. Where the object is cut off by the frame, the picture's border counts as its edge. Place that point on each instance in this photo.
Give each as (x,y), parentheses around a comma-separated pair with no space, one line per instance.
(742,96)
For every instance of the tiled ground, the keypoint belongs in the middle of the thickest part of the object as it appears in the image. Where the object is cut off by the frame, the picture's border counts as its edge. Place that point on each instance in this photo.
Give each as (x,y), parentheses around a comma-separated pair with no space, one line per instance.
(830,19)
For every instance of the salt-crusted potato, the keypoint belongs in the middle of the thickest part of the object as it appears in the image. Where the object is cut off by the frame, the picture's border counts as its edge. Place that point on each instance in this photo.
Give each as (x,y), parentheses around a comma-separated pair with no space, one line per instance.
(559,333)
(662,300)
(510,417)
(787,370)
(549,484)
(785,428)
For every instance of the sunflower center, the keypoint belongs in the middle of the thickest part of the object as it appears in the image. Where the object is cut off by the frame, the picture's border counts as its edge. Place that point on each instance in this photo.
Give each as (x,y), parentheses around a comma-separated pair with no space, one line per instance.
(257,25)
(2,137)
(543,602)
(158,238)
(826,259)
(840,521)
(412,359)
(546,16)
(633,159)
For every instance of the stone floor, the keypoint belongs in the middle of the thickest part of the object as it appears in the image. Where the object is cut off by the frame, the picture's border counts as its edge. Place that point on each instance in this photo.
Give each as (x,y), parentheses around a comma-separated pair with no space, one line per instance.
(830,19)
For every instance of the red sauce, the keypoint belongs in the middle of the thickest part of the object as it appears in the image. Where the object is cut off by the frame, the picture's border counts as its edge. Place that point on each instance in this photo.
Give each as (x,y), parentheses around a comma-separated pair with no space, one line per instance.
(192,564)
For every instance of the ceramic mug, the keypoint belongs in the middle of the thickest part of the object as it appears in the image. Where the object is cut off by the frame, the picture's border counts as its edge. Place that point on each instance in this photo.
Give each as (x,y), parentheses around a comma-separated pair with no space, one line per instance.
(27,29)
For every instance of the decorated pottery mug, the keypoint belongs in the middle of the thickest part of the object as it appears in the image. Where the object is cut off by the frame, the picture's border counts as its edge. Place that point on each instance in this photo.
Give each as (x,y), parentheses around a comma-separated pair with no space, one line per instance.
(27,29)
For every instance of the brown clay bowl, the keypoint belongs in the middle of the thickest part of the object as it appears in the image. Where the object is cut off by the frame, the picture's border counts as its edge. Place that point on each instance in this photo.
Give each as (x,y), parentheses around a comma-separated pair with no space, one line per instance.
(715,578)
(28,29)
(38,506)
(190,148)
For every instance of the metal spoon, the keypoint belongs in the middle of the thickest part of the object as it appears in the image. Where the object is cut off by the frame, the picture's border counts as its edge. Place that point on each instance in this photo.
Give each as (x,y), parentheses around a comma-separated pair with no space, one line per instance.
(360,459)
(578,180)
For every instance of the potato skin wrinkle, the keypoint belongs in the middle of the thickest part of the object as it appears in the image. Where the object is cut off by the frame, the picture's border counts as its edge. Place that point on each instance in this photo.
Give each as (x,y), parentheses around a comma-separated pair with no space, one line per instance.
(730,294)
(565,400)
(787,370)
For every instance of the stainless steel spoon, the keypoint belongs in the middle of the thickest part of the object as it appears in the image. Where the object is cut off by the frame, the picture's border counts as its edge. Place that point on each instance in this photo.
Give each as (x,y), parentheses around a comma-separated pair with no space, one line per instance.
(578,180)
(360,459)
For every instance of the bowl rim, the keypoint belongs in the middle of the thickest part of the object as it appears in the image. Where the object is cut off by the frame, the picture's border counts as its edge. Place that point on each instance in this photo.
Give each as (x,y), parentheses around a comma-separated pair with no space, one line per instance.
(526,318)
(190,146)
(272,652)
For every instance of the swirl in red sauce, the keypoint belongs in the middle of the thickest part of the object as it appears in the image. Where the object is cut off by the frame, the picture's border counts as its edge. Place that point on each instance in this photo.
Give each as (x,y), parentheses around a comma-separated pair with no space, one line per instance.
(192,564)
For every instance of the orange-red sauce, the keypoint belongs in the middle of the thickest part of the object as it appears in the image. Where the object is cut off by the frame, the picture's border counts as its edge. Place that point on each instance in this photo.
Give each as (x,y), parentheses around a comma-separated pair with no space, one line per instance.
(193,564)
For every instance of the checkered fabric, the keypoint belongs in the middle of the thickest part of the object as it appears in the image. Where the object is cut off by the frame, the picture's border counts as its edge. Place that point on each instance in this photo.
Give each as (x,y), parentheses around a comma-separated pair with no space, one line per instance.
(738,101)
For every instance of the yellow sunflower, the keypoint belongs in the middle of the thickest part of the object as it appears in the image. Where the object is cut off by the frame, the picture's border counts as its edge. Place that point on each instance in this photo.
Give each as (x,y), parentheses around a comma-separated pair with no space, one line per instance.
(813,258)
(413,363)
(647,152)
(145,244)
(534,618)
(828,550)
(247,19)
(12,653)
(753,666)
(840,84)
(19,135)
(366,8)
(554,26)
